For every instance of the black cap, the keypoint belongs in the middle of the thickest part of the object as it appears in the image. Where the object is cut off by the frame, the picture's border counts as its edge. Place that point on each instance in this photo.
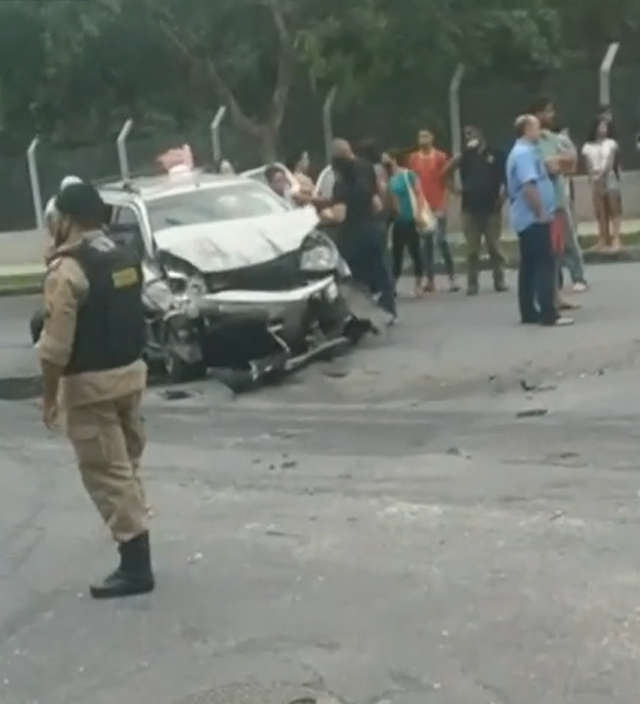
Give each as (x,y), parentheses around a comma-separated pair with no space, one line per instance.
(82,203)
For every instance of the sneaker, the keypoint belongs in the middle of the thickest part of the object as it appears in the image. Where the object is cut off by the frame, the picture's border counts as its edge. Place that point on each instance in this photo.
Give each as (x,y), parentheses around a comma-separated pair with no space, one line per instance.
(579,287)
(565,305)
(563,322)
(453,286)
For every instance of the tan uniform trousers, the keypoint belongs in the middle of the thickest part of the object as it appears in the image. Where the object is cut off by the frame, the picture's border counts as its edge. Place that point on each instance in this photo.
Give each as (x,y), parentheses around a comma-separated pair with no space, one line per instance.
(476,228)
(108,439)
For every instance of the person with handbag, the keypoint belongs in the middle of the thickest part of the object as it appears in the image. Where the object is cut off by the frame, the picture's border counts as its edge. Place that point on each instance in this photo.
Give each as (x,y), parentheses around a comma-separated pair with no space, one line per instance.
(411,216)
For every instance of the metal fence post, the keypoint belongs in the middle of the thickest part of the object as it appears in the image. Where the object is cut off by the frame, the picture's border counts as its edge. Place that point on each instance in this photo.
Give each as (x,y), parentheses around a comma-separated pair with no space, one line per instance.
(34,178)
(455,118)
(216,143)
(123,156)
(454,109)
(604,92)
(327,120)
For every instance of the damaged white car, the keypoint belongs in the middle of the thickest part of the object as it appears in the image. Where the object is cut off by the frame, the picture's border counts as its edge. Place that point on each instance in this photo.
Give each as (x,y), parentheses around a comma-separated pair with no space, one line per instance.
(235,280)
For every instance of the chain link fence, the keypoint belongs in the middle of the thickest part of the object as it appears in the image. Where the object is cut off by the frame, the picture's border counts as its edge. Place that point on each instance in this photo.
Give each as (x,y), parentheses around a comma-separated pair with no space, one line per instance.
(392,117)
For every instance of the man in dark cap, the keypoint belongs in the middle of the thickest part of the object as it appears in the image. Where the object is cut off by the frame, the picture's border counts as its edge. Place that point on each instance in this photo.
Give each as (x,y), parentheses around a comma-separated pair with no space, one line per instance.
(91,349)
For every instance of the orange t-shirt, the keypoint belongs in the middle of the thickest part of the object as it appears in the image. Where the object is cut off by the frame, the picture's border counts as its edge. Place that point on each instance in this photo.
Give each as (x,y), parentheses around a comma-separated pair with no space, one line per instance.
(430,170)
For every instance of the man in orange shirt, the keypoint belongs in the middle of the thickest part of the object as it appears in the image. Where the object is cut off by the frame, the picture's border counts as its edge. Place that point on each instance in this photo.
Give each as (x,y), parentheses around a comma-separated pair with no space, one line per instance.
(429,164)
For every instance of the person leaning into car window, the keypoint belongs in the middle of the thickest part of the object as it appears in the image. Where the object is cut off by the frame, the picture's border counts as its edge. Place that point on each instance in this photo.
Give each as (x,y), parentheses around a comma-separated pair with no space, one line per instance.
(279,183)
(353,211)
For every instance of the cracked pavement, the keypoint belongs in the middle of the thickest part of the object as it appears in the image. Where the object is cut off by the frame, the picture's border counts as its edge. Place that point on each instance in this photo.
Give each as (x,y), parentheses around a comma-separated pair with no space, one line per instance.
(386,529)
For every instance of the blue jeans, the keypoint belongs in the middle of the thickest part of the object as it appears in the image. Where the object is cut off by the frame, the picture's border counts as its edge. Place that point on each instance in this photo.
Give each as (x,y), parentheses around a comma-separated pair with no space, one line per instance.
(572,255)
(537,275)
(437,239)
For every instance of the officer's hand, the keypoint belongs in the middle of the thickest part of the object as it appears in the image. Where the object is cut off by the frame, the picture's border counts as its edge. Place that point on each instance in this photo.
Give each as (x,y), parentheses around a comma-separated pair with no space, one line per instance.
(49,413)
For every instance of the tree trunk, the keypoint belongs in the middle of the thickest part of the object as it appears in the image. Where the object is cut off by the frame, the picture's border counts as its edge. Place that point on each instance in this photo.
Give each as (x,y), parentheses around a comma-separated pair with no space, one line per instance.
(268,144)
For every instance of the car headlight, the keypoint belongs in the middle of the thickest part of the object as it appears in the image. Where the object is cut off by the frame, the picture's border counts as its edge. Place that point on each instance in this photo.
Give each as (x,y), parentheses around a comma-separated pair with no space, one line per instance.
(184,286)
(318,253)
(186,290)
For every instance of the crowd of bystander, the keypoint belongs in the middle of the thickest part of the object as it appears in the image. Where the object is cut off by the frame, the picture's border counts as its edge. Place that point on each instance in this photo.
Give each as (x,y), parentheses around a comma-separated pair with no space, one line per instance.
(379,205)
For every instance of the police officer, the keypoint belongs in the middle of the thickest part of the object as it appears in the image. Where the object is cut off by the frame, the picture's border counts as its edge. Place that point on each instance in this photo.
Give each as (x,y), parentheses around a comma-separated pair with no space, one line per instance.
(91,349)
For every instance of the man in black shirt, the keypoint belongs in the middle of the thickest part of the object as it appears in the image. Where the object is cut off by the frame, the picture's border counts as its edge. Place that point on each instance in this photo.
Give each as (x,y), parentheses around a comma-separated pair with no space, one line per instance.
(482,177)
(355,211)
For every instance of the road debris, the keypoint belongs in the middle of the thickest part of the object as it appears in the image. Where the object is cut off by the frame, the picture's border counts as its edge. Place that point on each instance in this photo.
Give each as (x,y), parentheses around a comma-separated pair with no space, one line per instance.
(532,413)
(458,452)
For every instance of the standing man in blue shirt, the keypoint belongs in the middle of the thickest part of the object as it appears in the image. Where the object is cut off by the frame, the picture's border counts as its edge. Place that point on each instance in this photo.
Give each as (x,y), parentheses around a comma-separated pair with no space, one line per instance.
(560,157)
(531,207)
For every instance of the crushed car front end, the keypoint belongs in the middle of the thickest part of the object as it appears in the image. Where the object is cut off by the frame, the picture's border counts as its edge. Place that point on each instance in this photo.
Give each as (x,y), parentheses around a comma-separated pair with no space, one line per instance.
(257,322)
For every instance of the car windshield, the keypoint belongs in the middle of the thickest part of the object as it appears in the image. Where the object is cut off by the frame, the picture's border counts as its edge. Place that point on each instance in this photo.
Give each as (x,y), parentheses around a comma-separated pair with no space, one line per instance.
(245,199)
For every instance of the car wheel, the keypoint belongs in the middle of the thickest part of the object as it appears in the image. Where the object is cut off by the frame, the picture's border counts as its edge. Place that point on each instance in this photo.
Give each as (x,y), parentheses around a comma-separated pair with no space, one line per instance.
(178,371)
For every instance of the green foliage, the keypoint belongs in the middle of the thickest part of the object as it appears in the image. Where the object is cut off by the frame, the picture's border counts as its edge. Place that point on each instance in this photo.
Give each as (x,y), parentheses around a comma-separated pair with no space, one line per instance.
(74,71)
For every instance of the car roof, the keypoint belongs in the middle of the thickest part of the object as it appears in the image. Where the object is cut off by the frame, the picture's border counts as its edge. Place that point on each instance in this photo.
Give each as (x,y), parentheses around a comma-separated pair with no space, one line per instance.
(151,187)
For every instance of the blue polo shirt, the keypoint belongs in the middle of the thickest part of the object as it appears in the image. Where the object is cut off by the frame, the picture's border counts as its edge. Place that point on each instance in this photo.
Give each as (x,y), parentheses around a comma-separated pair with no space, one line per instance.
(525,165)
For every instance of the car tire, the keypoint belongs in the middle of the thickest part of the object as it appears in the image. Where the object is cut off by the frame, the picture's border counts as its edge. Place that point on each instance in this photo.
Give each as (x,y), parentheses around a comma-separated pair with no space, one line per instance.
(180,371)
(176,369)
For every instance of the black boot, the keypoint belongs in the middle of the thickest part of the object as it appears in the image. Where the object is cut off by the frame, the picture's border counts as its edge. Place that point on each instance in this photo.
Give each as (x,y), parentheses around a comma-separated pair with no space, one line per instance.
(133,576)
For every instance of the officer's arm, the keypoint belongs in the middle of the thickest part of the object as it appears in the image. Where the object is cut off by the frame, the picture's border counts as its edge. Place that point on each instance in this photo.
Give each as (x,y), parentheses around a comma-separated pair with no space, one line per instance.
(64,289)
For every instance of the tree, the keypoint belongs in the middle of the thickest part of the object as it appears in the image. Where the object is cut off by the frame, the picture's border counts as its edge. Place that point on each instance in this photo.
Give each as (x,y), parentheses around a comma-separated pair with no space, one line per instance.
(249,53)
(75,70)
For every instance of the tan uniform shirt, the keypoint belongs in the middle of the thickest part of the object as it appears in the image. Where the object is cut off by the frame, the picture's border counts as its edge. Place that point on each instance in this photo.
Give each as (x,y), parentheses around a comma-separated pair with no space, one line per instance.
(65,288)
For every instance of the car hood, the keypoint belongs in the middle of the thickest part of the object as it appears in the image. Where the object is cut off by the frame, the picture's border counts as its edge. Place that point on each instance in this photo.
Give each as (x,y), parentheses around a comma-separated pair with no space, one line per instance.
(233,244)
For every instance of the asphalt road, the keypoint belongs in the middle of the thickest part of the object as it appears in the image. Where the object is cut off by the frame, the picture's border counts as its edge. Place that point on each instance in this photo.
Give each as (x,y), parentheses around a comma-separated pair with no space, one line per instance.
(388,531)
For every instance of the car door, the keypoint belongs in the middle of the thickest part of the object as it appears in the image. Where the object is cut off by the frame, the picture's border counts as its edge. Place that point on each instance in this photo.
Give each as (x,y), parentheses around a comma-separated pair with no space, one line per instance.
(126,225)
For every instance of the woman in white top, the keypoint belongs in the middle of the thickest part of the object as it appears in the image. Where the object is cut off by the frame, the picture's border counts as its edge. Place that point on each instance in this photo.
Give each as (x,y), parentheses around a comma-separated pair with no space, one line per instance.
(600,154)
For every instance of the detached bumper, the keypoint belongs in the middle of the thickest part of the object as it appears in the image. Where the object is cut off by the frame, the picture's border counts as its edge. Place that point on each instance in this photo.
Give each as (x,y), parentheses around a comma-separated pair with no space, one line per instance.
(268,305)
(247,337)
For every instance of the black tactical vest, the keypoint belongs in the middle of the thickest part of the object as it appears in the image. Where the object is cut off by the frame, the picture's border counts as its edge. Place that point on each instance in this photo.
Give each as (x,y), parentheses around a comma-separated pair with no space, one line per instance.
(110,327)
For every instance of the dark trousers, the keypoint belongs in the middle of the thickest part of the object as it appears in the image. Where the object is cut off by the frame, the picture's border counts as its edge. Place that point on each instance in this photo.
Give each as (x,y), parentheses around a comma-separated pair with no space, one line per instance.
(365,251)
(477,227)
(537,275)
(406,236)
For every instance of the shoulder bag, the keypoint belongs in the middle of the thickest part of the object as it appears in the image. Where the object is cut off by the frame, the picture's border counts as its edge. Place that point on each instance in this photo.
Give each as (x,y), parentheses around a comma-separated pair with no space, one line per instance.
(425,220)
